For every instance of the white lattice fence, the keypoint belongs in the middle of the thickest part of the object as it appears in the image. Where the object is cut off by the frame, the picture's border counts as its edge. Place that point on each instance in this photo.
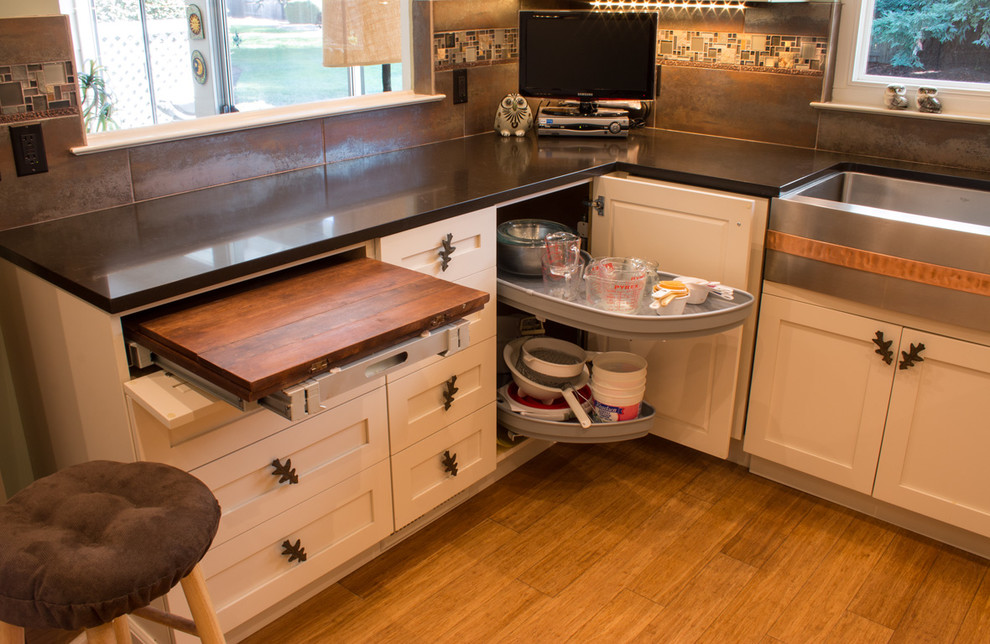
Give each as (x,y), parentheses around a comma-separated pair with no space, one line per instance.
(122,53)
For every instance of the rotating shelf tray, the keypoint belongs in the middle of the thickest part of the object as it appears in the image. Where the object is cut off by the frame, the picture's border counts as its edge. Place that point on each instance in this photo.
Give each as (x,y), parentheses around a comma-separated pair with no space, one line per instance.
(715,315)
(571,431)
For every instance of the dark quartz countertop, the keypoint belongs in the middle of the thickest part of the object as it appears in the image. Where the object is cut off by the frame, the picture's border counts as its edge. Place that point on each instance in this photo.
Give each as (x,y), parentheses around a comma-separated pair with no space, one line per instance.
(128,257)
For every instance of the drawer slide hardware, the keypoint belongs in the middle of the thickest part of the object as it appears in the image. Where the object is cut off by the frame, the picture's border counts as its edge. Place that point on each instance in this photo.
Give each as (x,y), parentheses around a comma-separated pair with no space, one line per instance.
(306,398)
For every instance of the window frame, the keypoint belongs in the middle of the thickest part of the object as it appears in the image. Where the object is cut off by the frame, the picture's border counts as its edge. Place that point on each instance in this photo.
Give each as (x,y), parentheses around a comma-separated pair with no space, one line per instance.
(236,121)
(852,90)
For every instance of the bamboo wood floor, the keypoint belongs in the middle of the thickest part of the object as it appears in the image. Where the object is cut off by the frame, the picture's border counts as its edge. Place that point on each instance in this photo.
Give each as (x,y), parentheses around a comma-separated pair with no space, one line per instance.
(647,541)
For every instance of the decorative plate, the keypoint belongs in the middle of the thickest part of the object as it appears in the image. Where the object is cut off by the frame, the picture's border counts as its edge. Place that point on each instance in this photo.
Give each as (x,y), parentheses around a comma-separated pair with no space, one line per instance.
(199,67)
(194,18)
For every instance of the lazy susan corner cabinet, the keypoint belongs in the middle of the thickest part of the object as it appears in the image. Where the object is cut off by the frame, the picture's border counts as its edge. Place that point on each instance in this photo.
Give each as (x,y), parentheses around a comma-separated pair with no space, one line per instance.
(699,362)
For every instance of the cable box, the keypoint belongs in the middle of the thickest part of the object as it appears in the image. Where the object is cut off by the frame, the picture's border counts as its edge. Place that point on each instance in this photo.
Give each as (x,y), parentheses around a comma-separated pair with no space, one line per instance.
(566,121)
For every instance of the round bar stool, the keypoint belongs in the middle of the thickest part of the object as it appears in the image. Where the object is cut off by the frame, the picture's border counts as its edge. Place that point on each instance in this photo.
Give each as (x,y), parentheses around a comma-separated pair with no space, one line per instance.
(94,542)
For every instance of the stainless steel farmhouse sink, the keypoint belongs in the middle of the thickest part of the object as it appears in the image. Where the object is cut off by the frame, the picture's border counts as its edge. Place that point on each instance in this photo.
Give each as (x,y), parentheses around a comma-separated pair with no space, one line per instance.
(897,198)
(919,244)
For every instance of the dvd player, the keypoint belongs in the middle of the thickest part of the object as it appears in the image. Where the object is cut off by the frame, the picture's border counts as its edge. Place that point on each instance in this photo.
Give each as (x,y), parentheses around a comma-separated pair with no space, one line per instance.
(569,121)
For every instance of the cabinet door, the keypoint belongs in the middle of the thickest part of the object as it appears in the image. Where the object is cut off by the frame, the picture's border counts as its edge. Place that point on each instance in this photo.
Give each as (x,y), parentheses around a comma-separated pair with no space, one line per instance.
(935,446)
(819,393)
(693,383)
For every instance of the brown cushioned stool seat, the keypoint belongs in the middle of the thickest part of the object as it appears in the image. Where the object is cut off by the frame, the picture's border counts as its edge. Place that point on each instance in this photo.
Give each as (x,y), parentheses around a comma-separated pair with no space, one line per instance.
(96,541)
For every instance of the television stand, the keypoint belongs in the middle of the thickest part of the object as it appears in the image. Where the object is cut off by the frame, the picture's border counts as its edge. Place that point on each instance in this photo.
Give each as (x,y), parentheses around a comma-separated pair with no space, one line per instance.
(577,120)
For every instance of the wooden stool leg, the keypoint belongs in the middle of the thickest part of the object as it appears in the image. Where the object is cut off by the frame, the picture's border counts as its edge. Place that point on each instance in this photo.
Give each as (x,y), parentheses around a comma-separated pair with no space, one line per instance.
(10,634)
(102,634)
(122,630)
(194,587)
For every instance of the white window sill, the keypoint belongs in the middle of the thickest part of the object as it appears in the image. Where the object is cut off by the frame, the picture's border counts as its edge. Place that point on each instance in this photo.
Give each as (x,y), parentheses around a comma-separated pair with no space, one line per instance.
(204,126)
(908,113)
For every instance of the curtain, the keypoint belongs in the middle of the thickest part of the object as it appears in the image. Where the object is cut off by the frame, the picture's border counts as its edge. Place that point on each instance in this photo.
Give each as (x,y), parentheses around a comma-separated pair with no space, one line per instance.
(361,32)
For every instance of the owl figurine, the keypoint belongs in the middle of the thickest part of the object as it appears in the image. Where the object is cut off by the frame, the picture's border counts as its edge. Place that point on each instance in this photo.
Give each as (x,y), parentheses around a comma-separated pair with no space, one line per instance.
(513,117)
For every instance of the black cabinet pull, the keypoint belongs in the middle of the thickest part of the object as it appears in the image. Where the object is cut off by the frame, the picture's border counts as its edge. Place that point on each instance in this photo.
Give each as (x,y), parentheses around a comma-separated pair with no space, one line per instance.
(908,358)
(285,472)
(294,551)
(446,251)
(883,347)
(448,392)
(449,462)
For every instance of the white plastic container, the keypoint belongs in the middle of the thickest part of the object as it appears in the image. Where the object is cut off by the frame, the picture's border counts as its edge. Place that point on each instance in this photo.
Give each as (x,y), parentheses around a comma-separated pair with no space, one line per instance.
(618,369)
(612,405)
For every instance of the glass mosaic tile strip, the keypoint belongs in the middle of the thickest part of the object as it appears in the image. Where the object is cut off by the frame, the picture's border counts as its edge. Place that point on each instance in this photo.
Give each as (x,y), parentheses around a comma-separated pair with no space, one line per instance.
(37,90)
(779,52)
(474,47)
(724,50)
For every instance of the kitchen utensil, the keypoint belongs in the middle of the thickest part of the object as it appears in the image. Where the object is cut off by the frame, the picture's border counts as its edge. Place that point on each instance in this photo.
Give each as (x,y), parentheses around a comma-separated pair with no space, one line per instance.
(669,297)
(558,410)
(563,248)
(520,244)
(697,287)
(563,280)
(616,283)
(701,288)
(546,388)
(553,357)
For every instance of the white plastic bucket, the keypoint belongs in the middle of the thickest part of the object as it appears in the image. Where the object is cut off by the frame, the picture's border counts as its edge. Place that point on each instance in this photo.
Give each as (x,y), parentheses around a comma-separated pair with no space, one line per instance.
(612,405)
(618,369)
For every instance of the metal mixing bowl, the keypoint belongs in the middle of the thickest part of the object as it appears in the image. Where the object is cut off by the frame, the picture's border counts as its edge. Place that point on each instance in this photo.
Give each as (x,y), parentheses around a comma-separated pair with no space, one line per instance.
(520,244)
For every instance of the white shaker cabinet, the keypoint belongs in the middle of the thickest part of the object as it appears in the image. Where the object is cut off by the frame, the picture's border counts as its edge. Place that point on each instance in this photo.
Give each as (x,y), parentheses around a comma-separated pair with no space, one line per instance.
(819,392)
(698,385)
(442,409)
(937,436)
(914,433)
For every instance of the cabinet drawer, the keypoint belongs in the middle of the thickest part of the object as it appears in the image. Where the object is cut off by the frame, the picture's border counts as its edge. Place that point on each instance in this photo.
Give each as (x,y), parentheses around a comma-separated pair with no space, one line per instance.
(481,324)
(420,481)
(472,236)
(208,428)
(249,573)
(425,400)
(321,452)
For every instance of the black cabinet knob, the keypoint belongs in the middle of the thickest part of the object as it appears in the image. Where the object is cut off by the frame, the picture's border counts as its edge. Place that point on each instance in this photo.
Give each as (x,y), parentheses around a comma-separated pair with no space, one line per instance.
(449,462)
(284,471)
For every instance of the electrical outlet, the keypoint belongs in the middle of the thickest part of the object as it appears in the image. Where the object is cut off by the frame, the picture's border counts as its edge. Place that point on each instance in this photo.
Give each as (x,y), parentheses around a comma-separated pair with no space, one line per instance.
(460,86)
(29,149)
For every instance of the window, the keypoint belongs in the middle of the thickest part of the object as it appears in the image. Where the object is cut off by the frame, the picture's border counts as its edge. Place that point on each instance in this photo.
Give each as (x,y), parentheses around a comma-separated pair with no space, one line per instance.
(916,43)
(162,61)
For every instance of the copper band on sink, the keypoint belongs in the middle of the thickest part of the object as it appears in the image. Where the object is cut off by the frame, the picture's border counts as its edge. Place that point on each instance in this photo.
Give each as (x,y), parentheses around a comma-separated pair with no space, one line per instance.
(864,260)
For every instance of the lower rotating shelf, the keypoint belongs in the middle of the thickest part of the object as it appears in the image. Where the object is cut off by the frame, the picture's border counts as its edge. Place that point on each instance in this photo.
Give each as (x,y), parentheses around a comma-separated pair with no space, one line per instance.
(572,432)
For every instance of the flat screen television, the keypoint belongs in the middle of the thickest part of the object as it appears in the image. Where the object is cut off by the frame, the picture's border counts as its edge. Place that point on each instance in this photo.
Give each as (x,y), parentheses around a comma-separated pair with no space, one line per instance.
(587,56)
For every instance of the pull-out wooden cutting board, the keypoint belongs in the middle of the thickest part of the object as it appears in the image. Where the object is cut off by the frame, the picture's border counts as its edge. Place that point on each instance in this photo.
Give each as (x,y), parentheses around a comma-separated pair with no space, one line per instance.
(256,338)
